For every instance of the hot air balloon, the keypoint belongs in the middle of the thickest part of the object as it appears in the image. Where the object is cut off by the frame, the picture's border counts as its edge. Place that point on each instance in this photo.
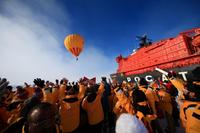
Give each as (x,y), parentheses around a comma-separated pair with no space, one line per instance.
(74,44)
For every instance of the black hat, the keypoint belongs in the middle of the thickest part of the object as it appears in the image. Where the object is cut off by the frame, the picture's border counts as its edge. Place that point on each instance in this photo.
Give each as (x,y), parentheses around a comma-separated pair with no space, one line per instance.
(138,96)
(143,82)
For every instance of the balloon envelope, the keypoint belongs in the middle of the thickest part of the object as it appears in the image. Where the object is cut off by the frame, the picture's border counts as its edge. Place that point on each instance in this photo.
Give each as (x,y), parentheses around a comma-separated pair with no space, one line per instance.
(74,43)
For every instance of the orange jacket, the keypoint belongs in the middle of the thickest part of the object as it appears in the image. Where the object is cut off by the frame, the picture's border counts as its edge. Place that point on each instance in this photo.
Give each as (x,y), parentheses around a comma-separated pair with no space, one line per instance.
(165,101)
(118,109)
(142,88)
(30,91)
(50,97)
(123,102)
(193,120)
(70,115)
(82,90)
(62,90)
(94,109)
(190,116)
(151,97)
(179,84)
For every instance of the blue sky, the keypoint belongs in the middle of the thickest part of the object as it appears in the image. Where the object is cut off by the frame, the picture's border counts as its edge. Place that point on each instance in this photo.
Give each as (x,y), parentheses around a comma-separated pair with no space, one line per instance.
(115,23)
(32,33)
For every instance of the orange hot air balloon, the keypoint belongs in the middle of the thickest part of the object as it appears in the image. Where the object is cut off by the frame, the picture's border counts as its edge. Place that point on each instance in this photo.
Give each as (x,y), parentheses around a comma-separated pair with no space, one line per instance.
(74,43)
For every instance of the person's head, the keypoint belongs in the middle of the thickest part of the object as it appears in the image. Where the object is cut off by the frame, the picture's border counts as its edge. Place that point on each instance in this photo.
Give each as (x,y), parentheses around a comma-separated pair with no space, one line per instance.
(41,119)
(9,88)
(64,81)
(124,84)
(71,91)
(57,81)
(130,85)
(91,93)
(38,93)
(4,95)
(192,91)
(47,82)
(92,89)
(76,87)
(172,74)
(21,93)
(19,88)
(138,96)
(127,123)
(103,79)
(143,82)
(91,96)
(61,81)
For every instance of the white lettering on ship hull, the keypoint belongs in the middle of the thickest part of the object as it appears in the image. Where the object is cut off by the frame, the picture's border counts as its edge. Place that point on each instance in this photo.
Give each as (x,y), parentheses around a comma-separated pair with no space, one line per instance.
(149,78)
(183,75)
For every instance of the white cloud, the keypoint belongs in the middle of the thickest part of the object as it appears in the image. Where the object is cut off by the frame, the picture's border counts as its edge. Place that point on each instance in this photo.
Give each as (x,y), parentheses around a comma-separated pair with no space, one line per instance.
(30,45)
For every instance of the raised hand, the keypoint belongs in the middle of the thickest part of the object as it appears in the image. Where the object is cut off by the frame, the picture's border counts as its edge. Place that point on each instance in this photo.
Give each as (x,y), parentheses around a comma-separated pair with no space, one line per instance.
(3,84)
(39,82)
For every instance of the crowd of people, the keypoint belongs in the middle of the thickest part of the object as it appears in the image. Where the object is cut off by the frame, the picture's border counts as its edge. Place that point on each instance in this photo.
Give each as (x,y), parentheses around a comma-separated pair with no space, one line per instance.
(107,107)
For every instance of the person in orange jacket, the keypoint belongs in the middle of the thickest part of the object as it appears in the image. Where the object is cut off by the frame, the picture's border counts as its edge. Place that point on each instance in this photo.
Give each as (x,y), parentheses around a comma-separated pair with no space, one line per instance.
(152,99)
(165,103)
(29,89)
(9,95)
(50,95)
(20,94)
(105,99)
(190,108)
(130,87)
(150,94)
(178,83)
(143,111)
(82,90)
(92,105)
(173,91)
(62,89)
(70,112)
(123,104)
(117,105)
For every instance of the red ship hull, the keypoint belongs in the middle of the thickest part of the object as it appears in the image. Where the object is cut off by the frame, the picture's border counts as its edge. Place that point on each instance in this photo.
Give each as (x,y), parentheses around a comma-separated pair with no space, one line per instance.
(181,53)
